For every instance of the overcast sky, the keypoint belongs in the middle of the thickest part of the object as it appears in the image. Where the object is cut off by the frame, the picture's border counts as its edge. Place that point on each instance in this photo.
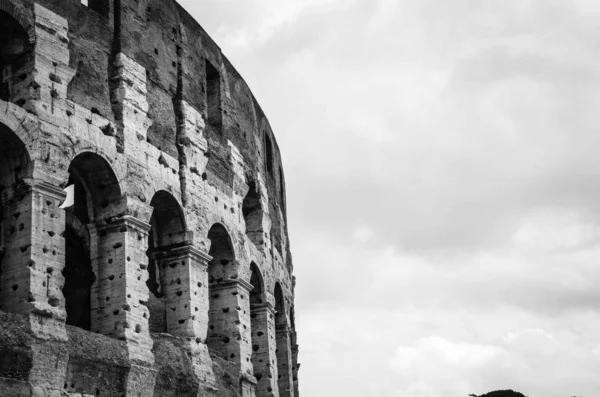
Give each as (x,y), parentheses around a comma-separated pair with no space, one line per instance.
(443,187)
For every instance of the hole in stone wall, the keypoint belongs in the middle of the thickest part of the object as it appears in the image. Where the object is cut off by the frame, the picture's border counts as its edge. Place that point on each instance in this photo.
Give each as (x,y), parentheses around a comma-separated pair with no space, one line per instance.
(253,215)
(15,52)
(213,97)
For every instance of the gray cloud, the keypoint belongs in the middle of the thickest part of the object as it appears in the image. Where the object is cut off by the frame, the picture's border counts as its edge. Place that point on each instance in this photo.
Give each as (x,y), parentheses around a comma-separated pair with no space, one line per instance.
(442,181)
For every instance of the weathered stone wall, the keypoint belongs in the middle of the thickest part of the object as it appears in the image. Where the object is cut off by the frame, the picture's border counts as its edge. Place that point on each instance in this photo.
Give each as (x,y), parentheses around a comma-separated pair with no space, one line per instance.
(167,272)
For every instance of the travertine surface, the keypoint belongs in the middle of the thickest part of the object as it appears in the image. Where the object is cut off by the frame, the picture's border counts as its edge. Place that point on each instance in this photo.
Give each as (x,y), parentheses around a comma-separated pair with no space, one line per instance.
(167,272)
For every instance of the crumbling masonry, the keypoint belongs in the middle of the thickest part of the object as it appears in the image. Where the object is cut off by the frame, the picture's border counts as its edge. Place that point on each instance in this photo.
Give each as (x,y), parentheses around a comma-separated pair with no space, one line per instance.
(169,272)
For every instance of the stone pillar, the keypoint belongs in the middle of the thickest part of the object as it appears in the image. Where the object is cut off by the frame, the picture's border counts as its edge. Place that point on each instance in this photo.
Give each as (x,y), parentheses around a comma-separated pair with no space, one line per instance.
(295,364)
(32,276)
(34,255)
(284,362)
(264,348)
(229,327)
(130,104)
(119,261)
(184,280)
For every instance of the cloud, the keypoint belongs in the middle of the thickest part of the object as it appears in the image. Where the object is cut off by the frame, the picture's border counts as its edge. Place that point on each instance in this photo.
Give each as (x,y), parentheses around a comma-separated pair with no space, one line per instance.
(442,182)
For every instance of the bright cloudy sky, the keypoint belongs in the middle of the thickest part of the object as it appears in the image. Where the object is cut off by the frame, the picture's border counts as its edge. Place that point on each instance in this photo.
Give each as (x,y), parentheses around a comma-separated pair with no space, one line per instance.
(443,176)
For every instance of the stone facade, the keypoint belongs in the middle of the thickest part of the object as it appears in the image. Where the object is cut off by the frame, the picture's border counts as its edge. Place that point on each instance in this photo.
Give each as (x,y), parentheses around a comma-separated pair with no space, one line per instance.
(143,237)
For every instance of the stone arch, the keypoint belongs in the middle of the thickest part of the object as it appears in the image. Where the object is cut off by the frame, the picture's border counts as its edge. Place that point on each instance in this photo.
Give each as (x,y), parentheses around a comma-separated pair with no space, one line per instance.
(167,231)
(221,249)
(16,46)
(220,270)
(11,9)
(99,182)
(257,294)
(15,165)
(96,196)
(260,314)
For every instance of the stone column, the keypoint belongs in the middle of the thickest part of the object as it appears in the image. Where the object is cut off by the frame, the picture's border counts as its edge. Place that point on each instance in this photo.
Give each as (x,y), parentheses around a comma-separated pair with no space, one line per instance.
(295,364)
(264,347)
(119,261)
(32,276)
(34,255)
(184,279)
(284,362)
(229,327)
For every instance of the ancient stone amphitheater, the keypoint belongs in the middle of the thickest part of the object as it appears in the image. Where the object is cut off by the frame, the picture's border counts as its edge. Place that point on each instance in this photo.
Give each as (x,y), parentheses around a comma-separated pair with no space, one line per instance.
(143,240)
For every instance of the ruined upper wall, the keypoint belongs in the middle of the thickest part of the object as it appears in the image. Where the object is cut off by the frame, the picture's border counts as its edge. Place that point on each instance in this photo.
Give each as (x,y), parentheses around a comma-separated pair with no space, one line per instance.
(174,49)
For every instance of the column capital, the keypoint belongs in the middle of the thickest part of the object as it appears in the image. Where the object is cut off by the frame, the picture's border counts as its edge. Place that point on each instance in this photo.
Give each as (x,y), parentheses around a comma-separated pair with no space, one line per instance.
(48,189)
(127,221)
(182,252)
(259,307)
(33,185)
(232,283)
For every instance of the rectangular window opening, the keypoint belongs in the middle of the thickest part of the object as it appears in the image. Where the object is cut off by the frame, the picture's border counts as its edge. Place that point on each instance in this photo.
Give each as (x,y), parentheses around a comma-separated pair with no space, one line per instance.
(213,97)
(268,154)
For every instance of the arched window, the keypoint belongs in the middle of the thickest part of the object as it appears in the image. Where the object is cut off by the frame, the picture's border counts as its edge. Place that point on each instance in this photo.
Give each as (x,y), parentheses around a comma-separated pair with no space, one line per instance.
(167,231)
(258,290)
(280,317)
(96,197)
(14,166)
(219,270)
(15,53)
(253,216)
(284,358)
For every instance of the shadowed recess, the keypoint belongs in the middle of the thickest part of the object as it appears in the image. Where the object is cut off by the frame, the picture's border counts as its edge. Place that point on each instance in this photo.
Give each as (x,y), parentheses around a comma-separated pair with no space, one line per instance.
(15,45)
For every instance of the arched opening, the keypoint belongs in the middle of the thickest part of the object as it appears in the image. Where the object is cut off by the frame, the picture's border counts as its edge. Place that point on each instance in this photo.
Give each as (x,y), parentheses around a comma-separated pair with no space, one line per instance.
(253,216)
(15,54)
(219,269)
(279,306)
(259,330)
(284,374)
(15,165)
(167,231)
(96,196)
(258,290)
